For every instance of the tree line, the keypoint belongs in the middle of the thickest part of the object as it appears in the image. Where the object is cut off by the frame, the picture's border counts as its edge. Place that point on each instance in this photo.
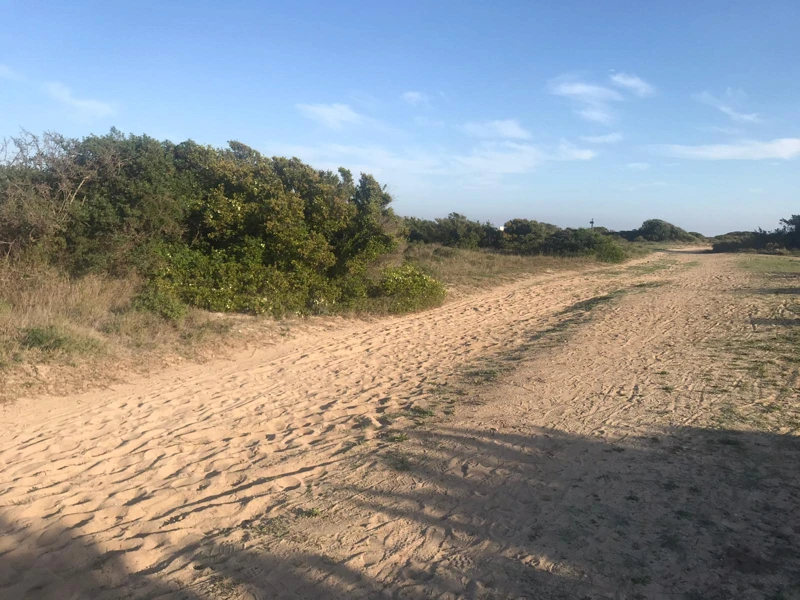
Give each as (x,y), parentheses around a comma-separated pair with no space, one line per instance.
(529,237)
(784,238)
(229,229)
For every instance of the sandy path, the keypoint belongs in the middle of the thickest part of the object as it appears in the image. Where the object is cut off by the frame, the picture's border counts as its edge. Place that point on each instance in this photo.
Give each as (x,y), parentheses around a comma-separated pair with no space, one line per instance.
(193,483)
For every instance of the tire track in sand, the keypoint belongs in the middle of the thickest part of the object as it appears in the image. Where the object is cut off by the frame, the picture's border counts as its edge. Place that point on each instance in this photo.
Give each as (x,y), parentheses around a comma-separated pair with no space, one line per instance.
(143,471)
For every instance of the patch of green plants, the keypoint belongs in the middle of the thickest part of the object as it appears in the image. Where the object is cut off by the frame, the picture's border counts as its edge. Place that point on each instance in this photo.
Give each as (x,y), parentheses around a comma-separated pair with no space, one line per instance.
(770,264)
(421,412)
(222,229)
(406,288)
(399,461)
(161,300)
(52,340)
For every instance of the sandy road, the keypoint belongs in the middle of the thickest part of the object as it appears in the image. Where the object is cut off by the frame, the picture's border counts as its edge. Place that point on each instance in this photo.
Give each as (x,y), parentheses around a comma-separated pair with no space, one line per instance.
(273,475)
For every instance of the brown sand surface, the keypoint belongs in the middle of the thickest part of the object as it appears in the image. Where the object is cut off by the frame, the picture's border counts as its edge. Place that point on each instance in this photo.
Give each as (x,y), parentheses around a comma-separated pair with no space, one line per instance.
(562,436)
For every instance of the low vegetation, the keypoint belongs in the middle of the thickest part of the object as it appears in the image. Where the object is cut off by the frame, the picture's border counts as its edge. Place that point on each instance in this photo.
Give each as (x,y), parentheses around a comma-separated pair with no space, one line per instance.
(783,240)
(114,244)
(532,238)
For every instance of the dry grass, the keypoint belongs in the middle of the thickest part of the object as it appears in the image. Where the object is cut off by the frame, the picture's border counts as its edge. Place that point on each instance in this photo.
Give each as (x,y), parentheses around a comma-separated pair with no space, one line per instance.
(60,335)
(465,270)
(770,264)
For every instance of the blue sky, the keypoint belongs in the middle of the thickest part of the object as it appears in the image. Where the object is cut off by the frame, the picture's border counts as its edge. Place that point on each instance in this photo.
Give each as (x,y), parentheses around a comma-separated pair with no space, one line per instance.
(559,111)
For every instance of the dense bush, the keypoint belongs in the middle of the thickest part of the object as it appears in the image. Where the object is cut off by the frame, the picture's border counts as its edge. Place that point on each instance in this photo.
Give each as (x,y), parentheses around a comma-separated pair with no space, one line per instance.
(656,230)
(222,229)
(406,288)
(455,230)
(518,236)
(783,239)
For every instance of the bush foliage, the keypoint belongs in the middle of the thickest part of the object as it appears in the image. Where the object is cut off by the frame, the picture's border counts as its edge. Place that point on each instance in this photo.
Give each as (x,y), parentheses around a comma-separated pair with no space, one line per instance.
(528,237)
(407,288)
(229,229)
(222,229)
(783,239)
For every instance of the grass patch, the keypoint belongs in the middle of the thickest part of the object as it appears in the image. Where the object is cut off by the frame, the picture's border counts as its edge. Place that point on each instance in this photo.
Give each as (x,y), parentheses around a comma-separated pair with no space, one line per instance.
(51,340)
(398,461)
(770,264)
(90,329)
(464,270)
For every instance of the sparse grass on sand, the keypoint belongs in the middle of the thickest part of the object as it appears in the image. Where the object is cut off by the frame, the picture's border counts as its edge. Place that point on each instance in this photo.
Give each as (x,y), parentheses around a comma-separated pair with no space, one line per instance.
(58,334)
(62,335)
(771,264)
(463,270)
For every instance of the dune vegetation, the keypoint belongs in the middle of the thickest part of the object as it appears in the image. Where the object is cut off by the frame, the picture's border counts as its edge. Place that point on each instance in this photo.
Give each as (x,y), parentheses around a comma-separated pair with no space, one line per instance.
(115,244)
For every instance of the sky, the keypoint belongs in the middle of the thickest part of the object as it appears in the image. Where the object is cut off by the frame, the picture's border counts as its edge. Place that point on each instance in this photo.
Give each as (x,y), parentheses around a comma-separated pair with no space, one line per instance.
(556,111)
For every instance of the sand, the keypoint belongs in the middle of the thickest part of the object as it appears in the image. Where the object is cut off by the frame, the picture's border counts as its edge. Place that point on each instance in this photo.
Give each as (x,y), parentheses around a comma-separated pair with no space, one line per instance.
(517,443)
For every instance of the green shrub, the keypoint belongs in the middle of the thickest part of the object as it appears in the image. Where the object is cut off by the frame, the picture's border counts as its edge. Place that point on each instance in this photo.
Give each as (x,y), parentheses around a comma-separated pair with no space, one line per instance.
(160,299)
(53,340)
(406,289)
(609,252)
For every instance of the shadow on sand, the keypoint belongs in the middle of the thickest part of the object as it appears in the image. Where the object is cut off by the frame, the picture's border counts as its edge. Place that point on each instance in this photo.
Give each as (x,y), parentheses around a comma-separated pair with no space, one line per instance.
(687,513)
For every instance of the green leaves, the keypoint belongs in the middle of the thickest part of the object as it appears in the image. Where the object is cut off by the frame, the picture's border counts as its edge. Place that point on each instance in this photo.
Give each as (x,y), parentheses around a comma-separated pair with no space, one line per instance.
(222,229)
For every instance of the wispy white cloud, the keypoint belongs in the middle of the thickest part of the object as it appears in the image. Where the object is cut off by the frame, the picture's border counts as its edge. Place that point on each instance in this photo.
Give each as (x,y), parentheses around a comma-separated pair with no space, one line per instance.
(7,72)
(723,130)
(486,162)
(415,98)
(567,151)
(508,128)
(585,92)
(650,184)
(82,107)
(638,166)
(726,105)
(493,159)
(783,149)
(332,116)
(87,108)
(490,161)
(611,138)
(428,122)
(370,158)
(633,84)
(365,100)
(592,102)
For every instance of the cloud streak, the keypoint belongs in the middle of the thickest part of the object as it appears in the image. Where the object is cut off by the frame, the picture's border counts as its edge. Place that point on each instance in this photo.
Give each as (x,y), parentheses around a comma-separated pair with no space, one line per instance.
(415,98)
(332,116)
(487,161)
(641,186)
(727,106)
(592,102)
(505,129)
(88,108)
(782,149)
(633,84)
(7,72)
(55,90)
(611,138)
